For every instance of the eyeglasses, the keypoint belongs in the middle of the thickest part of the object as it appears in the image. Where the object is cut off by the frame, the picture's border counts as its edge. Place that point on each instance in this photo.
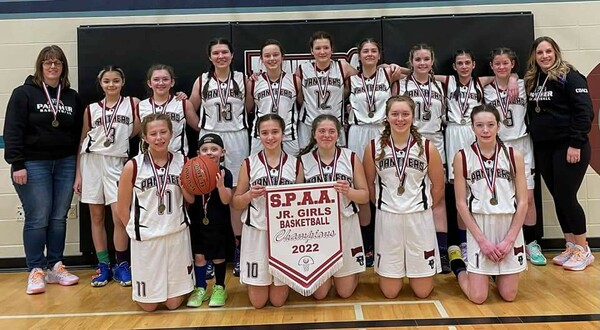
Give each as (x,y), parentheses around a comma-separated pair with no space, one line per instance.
(49,63)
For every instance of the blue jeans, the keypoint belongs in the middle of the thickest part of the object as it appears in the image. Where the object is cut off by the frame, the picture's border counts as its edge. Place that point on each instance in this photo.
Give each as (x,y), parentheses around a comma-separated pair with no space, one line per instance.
(46,200)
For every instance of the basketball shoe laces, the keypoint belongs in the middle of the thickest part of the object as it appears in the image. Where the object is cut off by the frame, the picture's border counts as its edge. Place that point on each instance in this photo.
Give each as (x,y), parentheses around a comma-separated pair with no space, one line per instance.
(567,251)
(578,255)
(37,277)
(62,272)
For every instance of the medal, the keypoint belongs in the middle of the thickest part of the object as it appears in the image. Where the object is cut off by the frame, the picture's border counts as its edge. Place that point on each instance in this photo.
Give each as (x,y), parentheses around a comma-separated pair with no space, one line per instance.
(323,106)
(205,221)
(426,101)
(322,89)
(370,97)
(161,181)
(275,91)
(161,208)
(493,201)
(506,122)
(223,96)
(464,107)
(490,181)
(504,104)
(205,209)
(371,114)
(107,143)
(400,190)
(537,109)
(108,126)
(328,169)
(53,108)
(463,122)
(539,90)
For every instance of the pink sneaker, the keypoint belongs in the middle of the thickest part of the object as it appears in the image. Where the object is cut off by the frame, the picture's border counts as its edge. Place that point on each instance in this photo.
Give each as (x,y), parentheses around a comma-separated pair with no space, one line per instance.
(581,258)
(565,255)
(35,282)
(59,274)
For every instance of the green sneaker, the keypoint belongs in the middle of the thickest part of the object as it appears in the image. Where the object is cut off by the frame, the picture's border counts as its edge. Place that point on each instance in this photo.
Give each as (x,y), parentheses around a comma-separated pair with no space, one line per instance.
(218,297)
(198,296)
(534,254)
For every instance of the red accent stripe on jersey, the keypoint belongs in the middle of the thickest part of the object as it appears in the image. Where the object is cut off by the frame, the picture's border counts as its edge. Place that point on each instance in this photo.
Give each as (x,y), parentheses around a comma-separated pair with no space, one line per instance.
(339,63)
(134,174)
(352,156)
(427,142)
(373,149)
(464,162)
(251,90)
(480,94)
(511,152)
(247,162)
(446,84)
(387,76)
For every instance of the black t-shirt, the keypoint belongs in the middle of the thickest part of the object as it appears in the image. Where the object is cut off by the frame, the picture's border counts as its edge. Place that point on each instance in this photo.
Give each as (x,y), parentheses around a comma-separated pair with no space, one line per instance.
(218,213)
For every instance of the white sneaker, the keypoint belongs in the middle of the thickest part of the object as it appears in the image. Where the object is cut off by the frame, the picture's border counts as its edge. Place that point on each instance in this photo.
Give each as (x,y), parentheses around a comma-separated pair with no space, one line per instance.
(35,282)
(59,274)
(565,255)
(581,258)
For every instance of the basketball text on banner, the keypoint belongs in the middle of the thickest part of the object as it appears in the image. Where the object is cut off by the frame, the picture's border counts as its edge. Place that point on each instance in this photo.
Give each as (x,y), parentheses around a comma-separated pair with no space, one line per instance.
(305,235)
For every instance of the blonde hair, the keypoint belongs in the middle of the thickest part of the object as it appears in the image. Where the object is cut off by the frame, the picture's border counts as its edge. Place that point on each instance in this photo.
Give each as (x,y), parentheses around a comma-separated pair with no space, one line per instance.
(557,71)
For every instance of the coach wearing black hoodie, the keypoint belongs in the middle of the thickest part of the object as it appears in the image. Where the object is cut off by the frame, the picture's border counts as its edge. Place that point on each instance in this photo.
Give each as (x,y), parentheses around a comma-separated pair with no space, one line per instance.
(41,133)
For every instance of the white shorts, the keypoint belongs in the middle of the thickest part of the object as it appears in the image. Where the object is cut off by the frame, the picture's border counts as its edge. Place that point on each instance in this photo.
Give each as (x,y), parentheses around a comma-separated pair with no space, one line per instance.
(525,146)
(457,137)
(359,136)
(236,149)
(495,227)
(254,258)
(353,251)
(290,147)
(99,177)
(438,142)
(406,245)
(162,268)
(304,134)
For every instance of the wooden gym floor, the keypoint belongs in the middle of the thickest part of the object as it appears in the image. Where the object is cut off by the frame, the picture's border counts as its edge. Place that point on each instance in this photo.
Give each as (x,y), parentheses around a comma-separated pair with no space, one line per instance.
(549,298)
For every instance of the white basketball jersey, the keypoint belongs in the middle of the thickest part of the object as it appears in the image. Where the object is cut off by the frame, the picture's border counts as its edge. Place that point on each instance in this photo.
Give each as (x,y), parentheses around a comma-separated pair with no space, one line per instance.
(265,101)
(479,195)
(512,123)
(343,168)
(323,91)
(462,99)
(145,221)
(227,114)
(176,111)
(427,119)
(109,135)
(417,185)
(362,97)
(254,215)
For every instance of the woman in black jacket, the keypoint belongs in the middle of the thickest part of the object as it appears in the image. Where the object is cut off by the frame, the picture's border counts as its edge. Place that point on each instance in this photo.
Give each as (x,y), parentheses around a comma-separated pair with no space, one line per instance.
(560,118)
(41,133)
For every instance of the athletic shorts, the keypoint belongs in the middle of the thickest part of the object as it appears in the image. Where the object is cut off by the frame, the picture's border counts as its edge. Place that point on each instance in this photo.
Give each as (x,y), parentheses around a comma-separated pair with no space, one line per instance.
(162,268)
(495,227)
(406,245)
(254,258)
(99,177)
(290,147)
(210,240)
(237,149)
(359,136)
(525,146)
(457,137)
(353,251)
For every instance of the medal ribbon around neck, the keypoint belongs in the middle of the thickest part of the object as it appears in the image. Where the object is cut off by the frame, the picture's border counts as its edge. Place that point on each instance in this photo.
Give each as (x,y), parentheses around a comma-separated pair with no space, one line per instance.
(335,162)
(275,97)
(53,108)
(161,185)
(266,164)
(322,91)
(540,90)
(491,182)
(223,96)
(205,200)
(426,101)
(400,170)
(502,100)
(164,106)
(108,127)
(465,106)
(370,97)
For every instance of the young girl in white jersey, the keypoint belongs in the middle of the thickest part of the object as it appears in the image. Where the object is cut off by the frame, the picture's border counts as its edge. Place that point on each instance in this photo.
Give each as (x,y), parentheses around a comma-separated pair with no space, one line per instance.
(160,80)
(328,162)
(514,134)
(430,115)
(406,180)
(271,166)
(151,206)
(108,124)
(219,94)
(491,197)
(274,91)
(322,86)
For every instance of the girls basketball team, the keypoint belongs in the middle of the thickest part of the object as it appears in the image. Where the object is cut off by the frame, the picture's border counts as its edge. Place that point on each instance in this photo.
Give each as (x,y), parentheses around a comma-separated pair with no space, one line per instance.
(487,155)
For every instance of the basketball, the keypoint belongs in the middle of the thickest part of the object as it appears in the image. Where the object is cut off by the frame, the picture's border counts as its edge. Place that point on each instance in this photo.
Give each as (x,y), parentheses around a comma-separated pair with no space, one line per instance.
(199,175)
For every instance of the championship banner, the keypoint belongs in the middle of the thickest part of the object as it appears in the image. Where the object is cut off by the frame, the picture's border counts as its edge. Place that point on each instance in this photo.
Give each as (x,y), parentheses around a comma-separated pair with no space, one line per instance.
(305,234)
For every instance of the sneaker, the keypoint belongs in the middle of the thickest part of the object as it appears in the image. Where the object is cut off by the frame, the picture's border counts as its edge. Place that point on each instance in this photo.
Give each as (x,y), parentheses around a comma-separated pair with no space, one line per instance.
(565,255)
(534,254)
(198,296)
(236,265)
(35,282)
(122,274)
(218,296)
(103,275)
(445,263)
(210,270)
(464,252)
(580,259)
(59,274)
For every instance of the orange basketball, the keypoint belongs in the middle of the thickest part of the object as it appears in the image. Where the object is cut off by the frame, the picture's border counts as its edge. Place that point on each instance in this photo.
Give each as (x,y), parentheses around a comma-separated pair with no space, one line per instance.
(199,175)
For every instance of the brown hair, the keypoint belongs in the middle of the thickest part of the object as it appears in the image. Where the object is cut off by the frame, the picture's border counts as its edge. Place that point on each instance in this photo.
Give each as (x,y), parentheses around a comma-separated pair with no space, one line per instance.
(387,131)
(321,118)
(558,71)
(50,53)
(147,120)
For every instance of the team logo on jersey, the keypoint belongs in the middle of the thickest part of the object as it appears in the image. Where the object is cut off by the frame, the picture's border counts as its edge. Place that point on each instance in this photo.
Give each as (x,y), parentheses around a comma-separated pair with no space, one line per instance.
(430,255)
(519,251)
(358,253)
(291,62)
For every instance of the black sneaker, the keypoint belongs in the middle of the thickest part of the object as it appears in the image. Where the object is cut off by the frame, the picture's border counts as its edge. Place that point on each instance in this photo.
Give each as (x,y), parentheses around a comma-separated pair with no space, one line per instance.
(445,263)
(210,270)
(236,264)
